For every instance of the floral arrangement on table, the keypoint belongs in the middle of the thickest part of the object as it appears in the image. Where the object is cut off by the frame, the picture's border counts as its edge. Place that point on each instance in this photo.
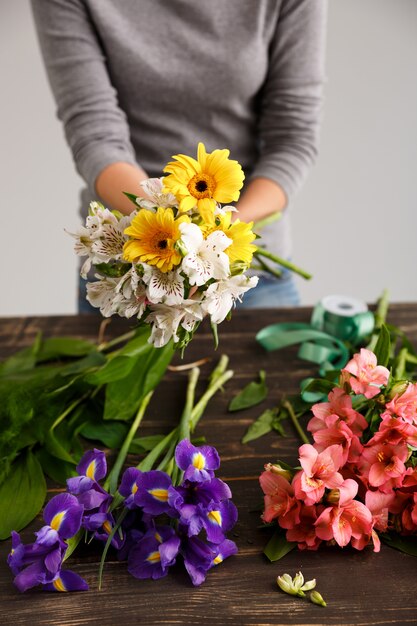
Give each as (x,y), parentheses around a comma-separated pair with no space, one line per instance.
(357,483)
(179,256)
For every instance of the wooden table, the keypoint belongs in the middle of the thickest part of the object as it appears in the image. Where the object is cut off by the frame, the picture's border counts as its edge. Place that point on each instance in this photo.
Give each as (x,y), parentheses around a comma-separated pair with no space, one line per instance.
(360,587)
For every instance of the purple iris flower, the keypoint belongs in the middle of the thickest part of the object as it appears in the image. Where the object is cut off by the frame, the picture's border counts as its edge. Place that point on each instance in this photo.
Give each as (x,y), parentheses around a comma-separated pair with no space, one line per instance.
(148,491)
(216,519)
(199,463)
(154,553)
(199,556)
(67,581)
(39,563)
(214,490)
(93,465)
(93,497)
(198,559)
(129,486)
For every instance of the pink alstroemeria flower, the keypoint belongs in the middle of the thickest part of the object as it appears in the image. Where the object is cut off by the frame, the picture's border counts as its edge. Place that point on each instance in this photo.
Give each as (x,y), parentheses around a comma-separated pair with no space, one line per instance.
(279,500)
(340,404)
(338,433)
(304,533)
(394,430)
(366,376)
(405,405)
(350,522)
(383,465)
(319,472)
(378,503)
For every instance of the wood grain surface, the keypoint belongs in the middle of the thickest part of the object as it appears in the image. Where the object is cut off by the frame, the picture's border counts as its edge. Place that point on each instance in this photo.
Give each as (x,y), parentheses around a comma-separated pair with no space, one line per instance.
(361,588)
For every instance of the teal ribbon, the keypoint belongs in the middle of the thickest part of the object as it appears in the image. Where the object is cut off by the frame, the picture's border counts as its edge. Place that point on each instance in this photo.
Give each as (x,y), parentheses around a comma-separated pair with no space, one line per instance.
(321,342)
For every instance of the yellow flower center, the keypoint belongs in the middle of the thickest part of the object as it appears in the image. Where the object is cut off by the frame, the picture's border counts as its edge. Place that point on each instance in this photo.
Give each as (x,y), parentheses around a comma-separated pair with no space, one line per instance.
(154,557)
(202,186)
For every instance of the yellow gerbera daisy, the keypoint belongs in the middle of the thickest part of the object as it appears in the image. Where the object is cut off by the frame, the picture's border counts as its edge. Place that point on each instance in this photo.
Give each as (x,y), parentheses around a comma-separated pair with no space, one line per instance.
(212,178)
(153,238)
(239,232)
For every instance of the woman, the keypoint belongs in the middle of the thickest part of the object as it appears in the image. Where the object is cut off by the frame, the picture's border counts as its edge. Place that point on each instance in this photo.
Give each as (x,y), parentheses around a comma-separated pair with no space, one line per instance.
(137,81)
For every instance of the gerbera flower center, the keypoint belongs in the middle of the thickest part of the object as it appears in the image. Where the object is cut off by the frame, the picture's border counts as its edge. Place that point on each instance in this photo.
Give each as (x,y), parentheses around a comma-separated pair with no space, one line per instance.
(202,186)
(162,244)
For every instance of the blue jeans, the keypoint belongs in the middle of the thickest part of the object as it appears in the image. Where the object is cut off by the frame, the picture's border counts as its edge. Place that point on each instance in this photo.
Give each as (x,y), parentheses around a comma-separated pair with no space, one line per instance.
(272,293)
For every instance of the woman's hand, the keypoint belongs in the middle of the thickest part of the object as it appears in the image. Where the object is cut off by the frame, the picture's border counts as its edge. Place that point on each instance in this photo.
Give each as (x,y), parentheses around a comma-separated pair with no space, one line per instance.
(117,178)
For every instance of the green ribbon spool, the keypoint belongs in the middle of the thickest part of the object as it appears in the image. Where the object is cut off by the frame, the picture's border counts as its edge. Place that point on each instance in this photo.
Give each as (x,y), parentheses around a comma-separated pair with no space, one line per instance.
(335,320)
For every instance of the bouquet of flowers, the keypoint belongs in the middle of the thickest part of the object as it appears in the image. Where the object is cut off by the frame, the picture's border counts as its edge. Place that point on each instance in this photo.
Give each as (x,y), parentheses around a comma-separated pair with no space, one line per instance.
(357,483)
(180,255)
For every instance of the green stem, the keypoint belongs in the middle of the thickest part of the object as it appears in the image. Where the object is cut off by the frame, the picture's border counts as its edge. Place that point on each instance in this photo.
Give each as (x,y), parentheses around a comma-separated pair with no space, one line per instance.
(184,428)
(113,477)
(382,309)
(287,405)
(148,462)
(199,408)
(114,342)
(267,268)
(276,259)
(69,410)
(402,363)
(108,543)
(266,221)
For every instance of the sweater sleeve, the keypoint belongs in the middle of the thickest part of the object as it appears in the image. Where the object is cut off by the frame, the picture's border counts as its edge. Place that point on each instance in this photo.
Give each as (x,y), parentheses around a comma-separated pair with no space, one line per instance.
(291,97)
(95,127)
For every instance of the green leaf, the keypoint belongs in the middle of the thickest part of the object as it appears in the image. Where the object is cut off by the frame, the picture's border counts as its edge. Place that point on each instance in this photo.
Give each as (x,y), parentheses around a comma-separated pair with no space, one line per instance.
(64,347)
(131,197)
(57,449)
(146,444)
(382,349)
(56,469)
(110,433)
(404,544)
(23,360)
(22,495)
(252,394)
(277,547)
(262,426)
(84,365)
(114,270)
(73,542)
(123,397)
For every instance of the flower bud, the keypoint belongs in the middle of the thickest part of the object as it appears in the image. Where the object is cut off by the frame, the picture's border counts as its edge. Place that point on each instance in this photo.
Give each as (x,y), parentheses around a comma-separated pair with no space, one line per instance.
(298,580)
(277,469)
(284,582)
(398,389)
(317,598)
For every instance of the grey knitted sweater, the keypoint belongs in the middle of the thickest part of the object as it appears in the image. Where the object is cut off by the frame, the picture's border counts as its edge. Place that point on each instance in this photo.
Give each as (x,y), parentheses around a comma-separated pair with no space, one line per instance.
(141,80)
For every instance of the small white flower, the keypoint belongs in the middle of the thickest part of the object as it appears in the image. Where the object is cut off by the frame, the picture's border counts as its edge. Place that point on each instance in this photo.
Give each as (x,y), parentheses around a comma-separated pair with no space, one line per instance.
(295,586)
(130,298)
(205,258)
(101,294)
(109,240)
(167,287)
(166,320)
(221,296)
(153,188)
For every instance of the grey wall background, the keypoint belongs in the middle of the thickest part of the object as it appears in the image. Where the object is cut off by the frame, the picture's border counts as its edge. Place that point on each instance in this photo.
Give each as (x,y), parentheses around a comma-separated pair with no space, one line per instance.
(354,223)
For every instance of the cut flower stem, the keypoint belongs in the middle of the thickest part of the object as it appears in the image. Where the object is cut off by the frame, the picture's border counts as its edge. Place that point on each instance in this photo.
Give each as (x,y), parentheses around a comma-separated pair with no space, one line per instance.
(287,405)
(276,259)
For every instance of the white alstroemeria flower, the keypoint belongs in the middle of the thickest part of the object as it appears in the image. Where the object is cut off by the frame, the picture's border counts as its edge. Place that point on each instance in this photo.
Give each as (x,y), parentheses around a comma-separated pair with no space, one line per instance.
(205,258)
(101,294)
(153,188)
(221,296)
(97,217)
(167,287)
(109,240)
(166,320)
(131,298)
